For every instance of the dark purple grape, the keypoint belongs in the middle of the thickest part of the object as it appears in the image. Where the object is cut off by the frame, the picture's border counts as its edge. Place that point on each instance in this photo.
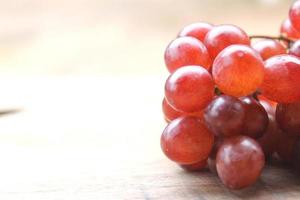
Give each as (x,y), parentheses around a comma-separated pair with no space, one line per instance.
(288,118)
(271,137)
(225,116)
(256,120)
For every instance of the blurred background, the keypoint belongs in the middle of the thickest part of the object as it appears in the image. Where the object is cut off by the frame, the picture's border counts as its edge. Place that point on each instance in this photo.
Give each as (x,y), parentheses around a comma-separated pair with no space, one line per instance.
(88,76)
(63,37)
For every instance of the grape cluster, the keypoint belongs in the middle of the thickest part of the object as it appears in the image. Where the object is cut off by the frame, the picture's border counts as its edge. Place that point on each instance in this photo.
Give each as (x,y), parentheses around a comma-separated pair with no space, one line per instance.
(232,102)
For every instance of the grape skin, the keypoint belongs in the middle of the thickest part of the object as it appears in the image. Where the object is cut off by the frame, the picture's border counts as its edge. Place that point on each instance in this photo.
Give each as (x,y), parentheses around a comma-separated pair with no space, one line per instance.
(197,30)
(240,161)
(270,109)
(294,15)
(295,49)
(269,48)
(285,147)
(185,91)
(288,30)
(256,118)
(185,51)
(282,79)
(288,118)
(271,137)
(267,103)
(222,36)
(238,70)
(171,113)
(225,116)
(186,140)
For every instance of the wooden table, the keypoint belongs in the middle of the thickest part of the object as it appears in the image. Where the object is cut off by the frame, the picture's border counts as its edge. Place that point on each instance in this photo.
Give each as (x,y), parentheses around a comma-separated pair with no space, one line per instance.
(98,138)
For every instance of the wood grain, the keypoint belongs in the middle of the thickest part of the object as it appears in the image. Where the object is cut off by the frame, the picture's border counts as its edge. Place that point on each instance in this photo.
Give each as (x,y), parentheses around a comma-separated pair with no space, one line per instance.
(98,138)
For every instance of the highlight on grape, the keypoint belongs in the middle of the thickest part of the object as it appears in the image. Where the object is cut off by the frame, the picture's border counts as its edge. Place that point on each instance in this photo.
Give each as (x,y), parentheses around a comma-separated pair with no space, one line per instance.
(232,101)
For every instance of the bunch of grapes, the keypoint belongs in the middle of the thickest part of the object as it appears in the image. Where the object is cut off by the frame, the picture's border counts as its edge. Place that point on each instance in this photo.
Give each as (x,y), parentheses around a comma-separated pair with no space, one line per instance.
(232,104)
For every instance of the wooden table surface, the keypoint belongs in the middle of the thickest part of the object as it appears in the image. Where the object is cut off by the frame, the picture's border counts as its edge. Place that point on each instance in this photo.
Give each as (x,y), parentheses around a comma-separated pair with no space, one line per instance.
(98,137)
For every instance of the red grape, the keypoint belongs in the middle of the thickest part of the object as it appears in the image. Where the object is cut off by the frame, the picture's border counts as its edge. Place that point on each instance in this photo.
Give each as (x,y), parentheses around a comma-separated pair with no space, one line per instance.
(256,118)
(270,137)
(195,167)
(282,79)
(288,118)
(294,15)
(240,161)
(288,30)
(171,113)
(225,116)
(186,51)
(189,89)
(295,49)
(197,30)
(269,48)
(222,36)
(186,140)
(238,70)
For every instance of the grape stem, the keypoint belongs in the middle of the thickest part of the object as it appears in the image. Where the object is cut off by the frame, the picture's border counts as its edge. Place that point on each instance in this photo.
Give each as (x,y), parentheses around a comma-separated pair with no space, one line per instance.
(282,38)
(255,95)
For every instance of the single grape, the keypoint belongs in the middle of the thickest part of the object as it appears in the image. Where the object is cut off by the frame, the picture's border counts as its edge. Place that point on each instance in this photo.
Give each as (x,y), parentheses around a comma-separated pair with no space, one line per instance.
(225,116)
(197,30)
(171,113)
(185,51)
(222,36)
(288,118)
(199,166)
(294,15)
(295,49)
(256,118)
(282,79)
(186,140)
(240,161)
(238,70)
(189,89)
(268,48)
(271,137)
(288,30)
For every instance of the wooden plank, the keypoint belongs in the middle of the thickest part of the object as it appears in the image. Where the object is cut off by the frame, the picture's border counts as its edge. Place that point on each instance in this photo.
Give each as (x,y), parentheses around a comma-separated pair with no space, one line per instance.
(98,138)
